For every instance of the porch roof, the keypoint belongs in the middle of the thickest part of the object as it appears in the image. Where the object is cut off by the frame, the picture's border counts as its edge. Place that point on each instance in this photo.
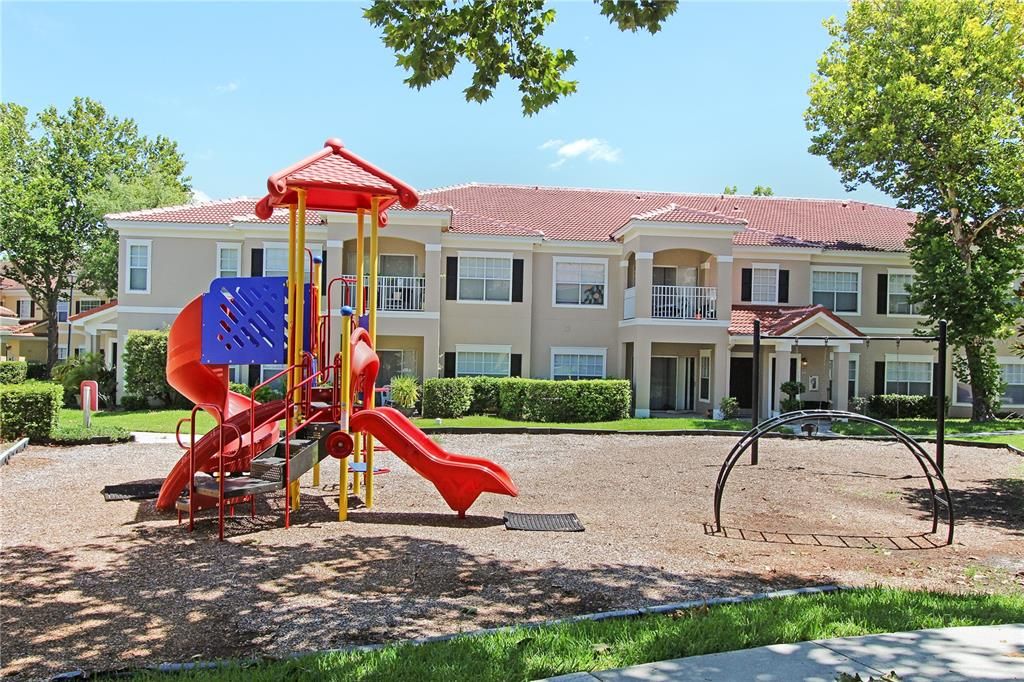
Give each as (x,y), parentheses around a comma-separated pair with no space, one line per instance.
(779,320)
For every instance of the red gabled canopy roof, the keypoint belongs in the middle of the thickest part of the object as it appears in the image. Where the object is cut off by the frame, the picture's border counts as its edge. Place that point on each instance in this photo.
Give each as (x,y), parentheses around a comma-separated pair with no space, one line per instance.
(777,320)
(335,180)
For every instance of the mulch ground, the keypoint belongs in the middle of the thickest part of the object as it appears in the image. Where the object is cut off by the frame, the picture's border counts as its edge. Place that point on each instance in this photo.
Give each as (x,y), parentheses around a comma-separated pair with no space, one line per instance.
(99,585)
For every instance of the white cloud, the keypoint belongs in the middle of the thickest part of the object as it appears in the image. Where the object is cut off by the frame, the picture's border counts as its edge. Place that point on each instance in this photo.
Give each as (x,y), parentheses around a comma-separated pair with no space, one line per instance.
(589,148)
(230,86)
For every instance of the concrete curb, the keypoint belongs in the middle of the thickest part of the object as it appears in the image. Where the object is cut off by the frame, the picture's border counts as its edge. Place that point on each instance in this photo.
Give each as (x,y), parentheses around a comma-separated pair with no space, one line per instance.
(13,450)
(660,609)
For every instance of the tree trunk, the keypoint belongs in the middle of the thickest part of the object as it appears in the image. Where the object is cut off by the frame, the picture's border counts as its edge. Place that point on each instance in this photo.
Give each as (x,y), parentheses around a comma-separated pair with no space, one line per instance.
(981,398)
(52,332)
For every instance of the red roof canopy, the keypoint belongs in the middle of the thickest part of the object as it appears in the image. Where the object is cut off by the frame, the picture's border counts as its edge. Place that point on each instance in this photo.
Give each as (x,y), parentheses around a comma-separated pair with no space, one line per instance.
(335,180)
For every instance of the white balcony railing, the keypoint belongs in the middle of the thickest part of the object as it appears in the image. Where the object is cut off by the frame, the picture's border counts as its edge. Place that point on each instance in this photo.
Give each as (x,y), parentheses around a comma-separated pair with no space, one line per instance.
(629,304)
(398,292)
(684,303)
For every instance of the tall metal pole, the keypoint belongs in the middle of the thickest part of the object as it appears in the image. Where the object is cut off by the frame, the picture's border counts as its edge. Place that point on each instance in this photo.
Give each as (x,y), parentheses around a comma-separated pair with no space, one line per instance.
(940,399)
(755,411)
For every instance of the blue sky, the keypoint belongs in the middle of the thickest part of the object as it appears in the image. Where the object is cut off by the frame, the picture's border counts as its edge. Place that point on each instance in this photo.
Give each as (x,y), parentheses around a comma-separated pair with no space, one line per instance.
(246,88)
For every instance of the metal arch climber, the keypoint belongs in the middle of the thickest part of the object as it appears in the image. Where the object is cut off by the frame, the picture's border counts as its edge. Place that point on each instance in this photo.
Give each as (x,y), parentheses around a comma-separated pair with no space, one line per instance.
(940,495)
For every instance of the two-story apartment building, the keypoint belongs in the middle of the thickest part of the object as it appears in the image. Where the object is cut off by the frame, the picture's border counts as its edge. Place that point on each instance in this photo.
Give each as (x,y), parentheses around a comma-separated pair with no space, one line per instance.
(548,282)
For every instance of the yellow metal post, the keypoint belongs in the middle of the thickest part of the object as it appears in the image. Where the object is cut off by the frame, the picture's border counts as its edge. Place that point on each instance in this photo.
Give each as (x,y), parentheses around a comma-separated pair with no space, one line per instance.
(346,410)
(293,322)
(358,305)
(314,330)
(371,400)
(300,315)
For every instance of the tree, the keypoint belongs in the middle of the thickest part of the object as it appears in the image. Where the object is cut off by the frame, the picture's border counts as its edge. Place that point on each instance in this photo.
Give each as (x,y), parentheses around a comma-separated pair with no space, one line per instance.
(925,101)
(729,190)
(498,38)
(53,174)
(763,191)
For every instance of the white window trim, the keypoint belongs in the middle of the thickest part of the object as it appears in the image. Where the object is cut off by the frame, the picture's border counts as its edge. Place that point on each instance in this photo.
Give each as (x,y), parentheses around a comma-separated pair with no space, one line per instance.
(1002,360)
(128,244)
(587,261)
(476,348)
(895,357)
(854,360)
(888,292)
(843,268)
(315,248)
(228,246)
(705,353)
(484,254)
(580,350)
(764,266)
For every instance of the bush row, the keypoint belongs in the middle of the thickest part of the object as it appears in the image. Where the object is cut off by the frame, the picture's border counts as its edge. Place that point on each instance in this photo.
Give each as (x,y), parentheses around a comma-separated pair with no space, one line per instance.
(540,400)
(13,371)
(145,371)
(29,409)
(893,405)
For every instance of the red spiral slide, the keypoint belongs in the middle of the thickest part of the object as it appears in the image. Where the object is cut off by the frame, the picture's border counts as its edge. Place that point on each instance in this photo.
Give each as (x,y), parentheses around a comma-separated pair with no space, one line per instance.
(208,384)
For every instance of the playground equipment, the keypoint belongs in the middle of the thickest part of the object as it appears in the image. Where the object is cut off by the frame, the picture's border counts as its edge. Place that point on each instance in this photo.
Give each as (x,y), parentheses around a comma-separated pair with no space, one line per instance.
(932,468)
(329,403)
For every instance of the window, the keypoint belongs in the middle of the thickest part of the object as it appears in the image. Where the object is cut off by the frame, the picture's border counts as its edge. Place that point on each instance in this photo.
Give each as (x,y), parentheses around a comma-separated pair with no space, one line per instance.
(267,371)
(275,260)
(229,260)
(395,363)
(62,352)
(704,374)
(139,257)
(490,363)
(908,378)
(580,281)
(62,311)
(485,278)
(578,363)
(663,275)
(899,296)
(764,284)
(837,290)
(853,385)
(1012,371)
(397,265)
(88,304)
(24,308)
(235,374)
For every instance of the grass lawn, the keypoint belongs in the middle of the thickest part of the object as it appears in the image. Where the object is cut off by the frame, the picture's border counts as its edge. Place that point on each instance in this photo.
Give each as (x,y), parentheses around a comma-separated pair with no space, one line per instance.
(659,424)
(926,427)
(156,421)
(528,654)
(1015,441)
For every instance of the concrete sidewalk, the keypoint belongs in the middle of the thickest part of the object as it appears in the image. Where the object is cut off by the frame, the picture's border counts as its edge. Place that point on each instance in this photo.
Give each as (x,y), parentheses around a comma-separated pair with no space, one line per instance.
(948,654)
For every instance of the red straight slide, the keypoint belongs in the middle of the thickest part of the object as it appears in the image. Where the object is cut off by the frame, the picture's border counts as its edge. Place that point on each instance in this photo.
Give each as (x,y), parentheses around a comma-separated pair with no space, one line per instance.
(208,385)
(459,478)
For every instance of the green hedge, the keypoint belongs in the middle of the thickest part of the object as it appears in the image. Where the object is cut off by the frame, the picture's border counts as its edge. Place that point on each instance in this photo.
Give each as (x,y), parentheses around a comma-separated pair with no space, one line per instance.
(37,370)
(145,369)
(13,371)
(543,400)
(485,394)
(29,409)
(894,405)
(447,398)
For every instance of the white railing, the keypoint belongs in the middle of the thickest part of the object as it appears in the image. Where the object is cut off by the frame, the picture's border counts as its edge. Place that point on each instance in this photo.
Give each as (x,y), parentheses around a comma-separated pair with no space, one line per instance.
(398,292)
(684,303)
(629,304)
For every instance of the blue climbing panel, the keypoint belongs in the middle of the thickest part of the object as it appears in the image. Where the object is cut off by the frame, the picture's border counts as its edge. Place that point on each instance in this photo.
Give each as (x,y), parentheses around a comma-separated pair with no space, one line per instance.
(245,321)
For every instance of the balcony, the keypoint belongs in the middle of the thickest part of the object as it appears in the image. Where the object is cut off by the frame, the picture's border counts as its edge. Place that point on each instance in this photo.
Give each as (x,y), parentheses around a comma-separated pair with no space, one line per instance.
(398,292)
(684,302)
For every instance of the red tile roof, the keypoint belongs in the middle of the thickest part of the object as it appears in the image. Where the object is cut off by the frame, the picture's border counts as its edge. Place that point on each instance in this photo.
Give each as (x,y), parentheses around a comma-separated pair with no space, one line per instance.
(777,320)
(92,311)
(220,212)
(674,213)
(18,329)
(594,214)
(6,312)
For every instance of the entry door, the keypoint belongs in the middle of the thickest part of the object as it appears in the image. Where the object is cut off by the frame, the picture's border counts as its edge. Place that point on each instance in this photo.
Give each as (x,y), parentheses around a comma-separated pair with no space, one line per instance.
(689,384)
(741,372)
(663,383)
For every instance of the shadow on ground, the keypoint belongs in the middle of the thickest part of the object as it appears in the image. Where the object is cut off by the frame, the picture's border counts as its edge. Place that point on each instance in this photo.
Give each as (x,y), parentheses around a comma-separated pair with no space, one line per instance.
(996,502)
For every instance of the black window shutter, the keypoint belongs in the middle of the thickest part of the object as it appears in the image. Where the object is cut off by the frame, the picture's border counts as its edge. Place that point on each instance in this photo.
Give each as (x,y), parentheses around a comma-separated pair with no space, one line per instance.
(879,378)
(883,294)
(256,263)
(323,271)
(792,369)
(449,364)
(516,365)
(32,309)
(451,281)
(78,307)
(783,286)
(746,284)
(254,373)
(517,280)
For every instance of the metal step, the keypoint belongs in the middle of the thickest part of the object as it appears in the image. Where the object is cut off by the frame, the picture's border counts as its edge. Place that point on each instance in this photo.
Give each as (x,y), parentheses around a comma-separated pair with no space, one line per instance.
(238,486)
(269,466)
(318,430)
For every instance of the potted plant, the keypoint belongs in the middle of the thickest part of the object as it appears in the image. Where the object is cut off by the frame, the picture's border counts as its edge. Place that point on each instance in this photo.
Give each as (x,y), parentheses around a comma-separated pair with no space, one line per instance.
(792,389)
(405,392)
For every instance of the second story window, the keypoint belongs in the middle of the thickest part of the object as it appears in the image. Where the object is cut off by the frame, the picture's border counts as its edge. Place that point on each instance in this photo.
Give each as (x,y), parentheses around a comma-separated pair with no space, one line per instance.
(62,311)
(229,260)
(764,285)
(485,278)
(87,304)
(580,281)
(899,294)
(26,309)
(275,262)
(837,290)
(139,257)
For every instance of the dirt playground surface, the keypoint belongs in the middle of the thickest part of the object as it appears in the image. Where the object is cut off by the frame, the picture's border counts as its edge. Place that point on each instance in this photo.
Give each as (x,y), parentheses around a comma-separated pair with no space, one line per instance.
(98,585)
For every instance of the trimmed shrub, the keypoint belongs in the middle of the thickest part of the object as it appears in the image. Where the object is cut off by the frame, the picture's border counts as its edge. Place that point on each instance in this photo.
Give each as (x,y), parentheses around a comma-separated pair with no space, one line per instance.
(485,394)
(145,368)
(243,389)
(133,403)
(895,405)
(29,409)
(544,400)
(447,398)
(730,407)
(13,371)
(76,434)
(37,370)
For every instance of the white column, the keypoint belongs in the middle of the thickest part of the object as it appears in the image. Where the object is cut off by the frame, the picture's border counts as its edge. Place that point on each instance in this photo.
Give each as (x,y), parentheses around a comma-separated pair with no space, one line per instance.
(642,374)
(432,274)
(719,374)
(840,378)
(723,281)
(783,356)
(644,285)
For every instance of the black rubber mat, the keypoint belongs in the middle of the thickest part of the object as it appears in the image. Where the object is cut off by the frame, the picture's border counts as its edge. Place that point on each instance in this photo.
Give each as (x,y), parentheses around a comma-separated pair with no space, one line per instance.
(148,489)
(553,523)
